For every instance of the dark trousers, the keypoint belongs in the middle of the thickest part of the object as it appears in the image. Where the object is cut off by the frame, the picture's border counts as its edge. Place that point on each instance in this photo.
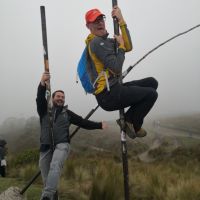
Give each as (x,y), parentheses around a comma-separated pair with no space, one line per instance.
(138,95)
(3,171)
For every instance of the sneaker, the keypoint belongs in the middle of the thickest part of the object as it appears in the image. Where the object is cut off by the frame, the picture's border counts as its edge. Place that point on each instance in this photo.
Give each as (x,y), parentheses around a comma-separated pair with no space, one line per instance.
(141,133)
(129,129)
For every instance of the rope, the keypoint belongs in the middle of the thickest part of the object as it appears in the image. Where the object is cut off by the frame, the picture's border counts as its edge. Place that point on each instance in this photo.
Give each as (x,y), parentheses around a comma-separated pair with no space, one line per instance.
(155,48)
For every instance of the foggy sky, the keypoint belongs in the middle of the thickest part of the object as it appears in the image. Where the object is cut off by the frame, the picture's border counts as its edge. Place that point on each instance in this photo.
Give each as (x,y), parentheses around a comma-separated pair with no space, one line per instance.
(176,65)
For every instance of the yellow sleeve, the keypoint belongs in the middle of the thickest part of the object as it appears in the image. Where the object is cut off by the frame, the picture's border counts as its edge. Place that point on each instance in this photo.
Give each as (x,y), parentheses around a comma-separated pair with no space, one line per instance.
(126,36)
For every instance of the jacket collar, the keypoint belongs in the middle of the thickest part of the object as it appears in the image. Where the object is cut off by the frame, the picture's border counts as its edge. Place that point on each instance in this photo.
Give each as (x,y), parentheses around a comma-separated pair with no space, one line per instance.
(91,36)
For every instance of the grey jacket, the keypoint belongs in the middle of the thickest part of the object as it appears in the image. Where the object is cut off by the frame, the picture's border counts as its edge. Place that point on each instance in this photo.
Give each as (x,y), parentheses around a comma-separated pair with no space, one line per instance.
(62,117)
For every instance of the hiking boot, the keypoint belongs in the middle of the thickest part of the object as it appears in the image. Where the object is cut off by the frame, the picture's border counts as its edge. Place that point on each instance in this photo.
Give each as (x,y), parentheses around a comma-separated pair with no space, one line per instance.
(129,129)
(141,133)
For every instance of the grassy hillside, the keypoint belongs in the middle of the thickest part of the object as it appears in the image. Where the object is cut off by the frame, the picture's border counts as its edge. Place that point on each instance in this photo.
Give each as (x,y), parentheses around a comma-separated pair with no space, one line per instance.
(165,165)
(99,176)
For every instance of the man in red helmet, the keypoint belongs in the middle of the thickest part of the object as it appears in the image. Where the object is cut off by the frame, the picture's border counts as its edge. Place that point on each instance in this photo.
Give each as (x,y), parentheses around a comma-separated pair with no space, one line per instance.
(139,95)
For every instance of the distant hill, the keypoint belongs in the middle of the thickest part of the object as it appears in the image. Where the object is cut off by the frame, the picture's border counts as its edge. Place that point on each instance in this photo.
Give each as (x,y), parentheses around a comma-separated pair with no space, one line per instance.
(189,123)
(20,133)
(23,134)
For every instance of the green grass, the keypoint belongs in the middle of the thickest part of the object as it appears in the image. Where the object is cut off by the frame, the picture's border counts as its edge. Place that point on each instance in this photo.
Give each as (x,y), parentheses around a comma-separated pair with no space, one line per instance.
(174,175)
(33,193)
(102,179)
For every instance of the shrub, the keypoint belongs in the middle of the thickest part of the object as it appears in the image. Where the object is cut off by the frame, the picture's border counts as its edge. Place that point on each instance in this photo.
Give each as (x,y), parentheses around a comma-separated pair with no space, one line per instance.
(26,157)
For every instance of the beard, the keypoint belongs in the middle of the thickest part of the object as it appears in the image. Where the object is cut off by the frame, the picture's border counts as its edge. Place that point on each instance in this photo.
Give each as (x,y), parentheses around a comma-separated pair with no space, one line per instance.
(58,105)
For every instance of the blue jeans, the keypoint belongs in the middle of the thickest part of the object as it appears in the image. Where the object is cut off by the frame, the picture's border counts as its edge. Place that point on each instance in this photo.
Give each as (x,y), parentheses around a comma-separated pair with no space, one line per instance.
(51,166)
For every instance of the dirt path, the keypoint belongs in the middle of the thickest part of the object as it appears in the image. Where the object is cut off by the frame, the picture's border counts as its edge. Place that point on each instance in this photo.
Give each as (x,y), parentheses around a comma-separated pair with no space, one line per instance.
(145,155)
(173,132)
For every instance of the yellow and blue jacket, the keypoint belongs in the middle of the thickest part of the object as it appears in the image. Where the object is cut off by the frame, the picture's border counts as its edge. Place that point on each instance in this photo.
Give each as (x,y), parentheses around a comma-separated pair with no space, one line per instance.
(103,57)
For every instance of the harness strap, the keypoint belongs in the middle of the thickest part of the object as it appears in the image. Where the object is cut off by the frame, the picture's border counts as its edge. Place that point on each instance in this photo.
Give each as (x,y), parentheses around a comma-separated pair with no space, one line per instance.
(103,73)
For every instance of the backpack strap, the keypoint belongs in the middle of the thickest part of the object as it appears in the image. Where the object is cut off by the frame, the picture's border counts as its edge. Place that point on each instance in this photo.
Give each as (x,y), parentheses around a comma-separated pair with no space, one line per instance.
(102,73)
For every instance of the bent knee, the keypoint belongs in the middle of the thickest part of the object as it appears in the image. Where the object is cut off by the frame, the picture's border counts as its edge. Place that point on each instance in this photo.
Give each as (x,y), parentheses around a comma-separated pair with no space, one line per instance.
(153,95)
(154,82)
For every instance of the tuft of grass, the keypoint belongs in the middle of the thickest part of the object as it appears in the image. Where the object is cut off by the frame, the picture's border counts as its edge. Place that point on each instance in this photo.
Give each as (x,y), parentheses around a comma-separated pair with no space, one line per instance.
(25,157)
(107,183)
(27,172)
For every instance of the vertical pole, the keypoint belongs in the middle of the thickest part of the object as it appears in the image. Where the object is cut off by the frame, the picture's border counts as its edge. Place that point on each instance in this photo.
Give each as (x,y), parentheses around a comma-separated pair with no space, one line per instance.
(122,121)
(48,86)
(46,68)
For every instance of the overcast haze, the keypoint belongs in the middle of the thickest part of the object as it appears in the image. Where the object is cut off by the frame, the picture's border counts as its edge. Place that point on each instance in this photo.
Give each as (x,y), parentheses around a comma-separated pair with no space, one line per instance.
(176,65)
